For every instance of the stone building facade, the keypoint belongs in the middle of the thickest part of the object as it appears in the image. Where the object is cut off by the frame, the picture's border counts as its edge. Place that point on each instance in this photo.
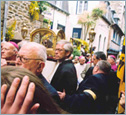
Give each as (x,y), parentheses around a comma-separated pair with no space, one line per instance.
(2,14)
(19,11)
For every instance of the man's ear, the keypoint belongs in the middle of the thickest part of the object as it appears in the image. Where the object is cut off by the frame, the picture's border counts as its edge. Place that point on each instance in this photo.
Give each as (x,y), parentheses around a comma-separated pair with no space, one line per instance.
(67,53)
(96,68)
(15,52)
(40,67)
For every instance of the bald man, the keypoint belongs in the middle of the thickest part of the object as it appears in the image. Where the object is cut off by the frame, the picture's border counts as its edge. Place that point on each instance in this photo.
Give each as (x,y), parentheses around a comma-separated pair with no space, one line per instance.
(9,51)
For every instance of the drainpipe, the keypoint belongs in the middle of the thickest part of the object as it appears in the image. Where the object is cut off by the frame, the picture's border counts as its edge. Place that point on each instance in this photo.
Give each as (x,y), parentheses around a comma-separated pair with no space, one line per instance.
(5,19)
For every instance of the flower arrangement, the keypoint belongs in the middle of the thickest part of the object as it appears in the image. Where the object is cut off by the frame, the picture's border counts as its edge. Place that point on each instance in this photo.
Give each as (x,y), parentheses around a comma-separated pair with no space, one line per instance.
(47,21)
(36,8)
(10,32)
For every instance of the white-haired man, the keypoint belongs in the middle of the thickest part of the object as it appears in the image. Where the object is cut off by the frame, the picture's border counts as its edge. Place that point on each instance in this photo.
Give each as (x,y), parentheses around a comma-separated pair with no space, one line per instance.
(80,67)
(8,53)
(32,56)
(90,97)
(64,77)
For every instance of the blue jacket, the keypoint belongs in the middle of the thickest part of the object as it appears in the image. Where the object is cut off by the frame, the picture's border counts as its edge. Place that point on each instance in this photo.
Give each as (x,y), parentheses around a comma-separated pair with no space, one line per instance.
(82,102)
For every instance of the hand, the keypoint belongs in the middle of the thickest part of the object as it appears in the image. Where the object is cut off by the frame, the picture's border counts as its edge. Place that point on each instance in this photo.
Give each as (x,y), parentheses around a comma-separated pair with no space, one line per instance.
(122,99)
(62,94)
(3,62)
(18,103)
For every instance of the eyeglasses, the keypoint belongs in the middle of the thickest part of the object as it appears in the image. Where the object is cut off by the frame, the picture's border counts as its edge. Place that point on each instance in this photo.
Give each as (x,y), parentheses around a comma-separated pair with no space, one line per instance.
(24,60)
(59,50)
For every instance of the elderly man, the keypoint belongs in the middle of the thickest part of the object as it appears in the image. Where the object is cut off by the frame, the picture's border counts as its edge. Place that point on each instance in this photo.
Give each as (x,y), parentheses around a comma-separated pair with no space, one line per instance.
(112,60)
(80,67)
(32,56)
(91,96)
(88,70)
(8,52)
(64,76)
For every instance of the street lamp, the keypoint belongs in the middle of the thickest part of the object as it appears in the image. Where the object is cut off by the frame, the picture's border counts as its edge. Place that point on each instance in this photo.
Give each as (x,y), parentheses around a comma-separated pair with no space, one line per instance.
(91,39)
(24,31)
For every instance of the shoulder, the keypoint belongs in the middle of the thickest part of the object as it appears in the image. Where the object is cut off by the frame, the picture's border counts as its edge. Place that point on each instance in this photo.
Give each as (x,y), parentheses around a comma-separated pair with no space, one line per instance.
(67,63)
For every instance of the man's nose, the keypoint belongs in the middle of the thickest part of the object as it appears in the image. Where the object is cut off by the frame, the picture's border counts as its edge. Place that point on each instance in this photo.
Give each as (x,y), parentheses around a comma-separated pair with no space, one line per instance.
(18,61)
(2,50)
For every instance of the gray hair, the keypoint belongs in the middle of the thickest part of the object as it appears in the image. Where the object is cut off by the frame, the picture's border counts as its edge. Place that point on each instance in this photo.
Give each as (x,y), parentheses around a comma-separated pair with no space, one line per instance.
(104,66)
(67,45)
(41,50)
(100,55)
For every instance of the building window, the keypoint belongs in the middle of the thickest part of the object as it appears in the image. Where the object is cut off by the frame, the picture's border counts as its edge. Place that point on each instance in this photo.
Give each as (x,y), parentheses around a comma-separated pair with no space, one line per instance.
(85,5)
(61,27)
(99,43)
(59,4)
(76,32)
(75,35)
(104,43)
(82,6)
(119,39)
(114,35)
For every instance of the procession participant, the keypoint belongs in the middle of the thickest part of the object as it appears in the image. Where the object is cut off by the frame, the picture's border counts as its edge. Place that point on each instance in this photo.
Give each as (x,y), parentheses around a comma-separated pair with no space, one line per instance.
(64,76)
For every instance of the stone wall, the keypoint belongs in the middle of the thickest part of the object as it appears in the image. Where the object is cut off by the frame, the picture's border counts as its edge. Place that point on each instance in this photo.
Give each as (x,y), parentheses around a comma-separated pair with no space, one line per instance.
(2,14)
(19,11)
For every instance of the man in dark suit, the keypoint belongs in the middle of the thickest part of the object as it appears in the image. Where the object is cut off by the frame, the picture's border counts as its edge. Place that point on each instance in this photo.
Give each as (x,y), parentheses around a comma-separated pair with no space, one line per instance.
(65,77)
(91,95)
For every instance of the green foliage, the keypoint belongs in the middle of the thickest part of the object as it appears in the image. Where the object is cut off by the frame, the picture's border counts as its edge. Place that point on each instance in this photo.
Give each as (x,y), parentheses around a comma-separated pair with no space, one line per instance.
(10,32)
(42,6)
(76,52)
(96,13)
(36,8)
(1,35)
(88,19)
(80,42)
(47,21)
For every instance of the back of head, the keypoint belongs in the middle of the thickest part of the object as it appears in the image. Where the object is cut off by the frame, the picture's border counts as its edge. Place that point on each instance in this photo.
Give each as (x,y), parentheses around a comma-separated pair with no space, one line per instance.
(67,45)
(104,66)
(47,104)
(100,55)
(23,42)
(40,49)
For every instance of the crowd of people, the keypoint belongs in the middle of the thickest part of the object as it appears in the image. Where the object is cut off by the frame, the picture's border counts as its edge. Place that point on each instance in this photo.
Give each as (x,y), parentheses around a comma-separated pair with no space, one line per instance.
(84,85)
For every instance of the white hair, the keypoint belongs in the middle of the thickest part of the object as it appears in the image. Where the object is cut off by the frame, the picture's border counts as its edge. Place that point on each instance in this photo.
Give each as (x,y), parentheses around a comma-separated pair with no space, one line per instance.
(23,42)
(41,50)
(104,66)
(67,45)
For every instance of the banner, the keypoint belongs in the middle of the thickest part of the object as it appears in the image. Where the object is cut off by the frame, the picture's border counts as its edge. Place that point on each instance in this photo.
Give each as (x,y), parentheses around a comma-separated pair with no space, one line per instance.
(121,76)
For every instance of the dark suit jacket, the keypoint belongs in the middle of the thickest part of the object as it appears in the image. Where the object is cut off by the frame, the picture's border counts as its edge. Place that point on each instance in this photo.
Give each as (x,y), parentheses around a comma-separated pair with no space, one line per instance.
(113,85)
(89,73)
(65,77)
(82,102)
(52,91)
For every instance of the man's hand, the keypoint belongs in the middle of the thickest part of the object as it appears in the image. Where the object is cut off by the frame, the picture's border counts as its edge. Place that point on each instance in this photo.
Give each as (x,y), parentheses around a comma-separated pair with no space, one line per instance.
(122,99)
(19,103)
(62,94)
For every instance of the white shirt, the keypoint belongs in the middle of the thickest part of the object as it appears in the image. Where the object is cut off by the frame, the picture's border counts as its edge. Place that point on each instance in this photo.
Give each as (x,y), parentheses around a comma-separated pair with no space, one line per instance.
(79,69)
